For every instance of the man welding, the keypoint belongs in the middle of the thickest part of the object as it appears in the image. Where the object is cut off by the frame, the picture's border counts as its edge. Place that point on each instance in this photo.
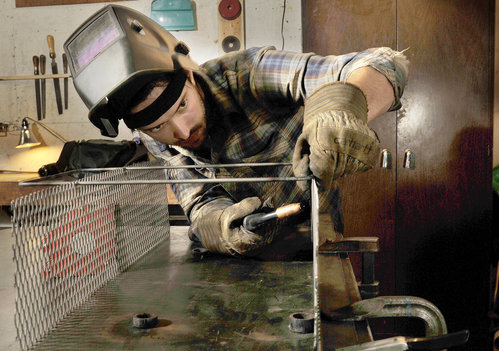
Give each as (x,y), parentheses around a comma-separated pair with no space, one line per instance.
(257,105)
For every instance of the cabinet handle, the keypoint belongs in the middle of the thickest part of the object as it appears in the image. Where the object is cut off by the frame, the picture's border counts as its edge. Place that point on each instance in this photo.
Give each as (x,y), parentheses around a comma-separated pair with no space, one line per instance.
(409,159)
(386,159)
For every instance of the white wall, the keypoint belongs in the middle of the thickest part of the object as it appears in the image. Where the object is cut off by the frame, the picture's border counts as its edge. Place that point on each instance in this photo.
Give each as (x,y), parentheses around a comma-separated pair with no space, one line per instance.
(24,32)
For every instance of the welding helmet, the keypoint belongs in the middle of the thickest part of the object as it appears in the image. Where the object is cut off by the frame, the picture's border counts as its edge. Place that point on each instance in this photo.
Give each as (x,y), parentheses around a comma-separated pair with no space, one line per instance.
(113,55)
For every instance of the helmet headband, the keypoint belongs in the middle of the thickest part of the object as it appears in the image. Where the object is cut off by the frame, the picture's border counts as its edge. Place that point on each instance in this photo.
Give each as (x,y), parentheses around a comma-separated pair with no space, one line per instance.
(162,103)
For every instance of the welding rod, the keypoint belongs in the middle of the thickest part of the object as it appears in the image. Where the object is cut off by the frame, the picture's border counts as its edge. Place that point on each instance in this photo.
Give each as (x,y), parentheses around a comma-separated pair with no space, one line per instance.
(82,181)
(253,221)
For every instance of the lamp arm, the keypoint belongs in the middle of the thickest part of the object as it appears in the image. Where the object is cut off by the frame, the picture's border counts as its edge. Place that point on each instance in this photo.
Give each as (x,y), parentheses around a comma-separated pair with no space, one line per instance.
(54,133)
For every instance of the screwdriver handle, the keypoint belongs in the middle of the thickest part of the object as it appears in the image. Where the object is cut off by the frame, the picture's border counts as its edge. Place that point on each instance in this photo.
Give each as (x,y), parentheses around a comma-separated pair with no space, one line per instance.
(42,64)
(64,63)
(36,63)
(50,41)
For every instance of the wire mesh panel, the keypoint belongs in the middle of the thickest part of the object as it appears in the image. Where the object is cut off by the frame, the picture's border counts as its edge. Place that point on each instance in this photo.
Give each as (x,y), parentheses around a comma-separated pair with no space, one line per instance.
(70,240)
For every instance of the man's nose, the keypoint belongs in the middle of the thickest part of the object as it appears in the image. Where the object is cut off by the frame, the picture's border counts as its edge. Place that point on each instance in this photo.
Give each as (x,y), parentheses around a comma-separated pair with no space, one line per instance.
(181,130)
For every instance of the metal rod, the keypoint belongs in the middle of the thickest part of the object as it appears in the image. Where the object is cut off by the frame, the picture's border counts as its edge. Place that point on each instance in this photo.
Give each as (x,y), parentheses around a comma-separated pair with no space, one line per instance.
(314,224)
(168,181)
(204,165)
(46,180)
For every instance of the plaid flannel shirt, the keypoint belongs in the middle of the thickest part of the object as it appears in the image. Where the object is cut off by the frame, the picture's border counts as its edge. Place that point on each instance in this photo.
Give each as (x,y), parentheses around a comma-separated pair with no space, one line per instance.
(254,108)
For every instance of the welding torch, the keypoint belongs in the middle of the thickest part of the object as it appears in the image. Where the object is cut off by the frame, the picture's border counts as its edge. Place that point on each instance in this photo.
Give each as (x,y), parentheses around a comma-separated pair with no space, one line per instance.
(254,221)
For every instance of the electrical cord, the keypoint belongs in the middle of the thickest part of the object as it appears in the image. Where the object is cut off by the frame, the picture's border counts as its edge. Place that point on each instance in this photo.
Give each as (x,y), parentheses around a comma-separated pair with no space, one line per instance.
(282,23)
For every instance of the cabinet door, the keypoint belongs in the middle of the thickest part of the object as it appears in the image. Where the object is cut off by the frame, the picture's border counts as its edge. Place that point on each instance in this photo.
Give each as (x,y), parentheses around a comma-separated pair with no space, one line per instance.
(338,27)
(433,221)
(444,204)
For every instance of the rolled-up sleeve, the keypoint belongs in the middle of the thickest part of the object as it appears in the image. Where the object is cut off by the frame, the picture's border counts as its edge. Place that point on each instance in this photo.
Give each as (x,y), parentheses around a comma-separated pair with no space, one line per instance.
(296,76)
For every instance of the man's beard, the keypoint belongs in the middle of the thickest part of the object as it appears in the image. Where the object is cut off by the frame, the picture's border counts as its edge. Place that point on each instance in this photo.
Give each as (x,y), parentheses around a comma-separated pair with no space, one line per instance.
(199,141)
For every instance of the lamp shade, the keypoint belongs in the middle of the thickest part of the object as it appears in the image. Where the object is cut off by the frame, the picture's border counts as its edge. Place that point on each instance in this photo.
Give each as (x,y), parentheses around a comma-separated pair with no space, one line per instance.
(27,138)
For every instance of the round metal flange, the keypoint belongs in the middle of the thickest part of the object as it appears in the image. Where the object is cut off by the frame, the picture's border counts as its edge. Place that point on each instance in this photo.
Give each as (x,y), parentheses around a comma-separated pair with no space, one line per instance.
(231,43)
(301,322)
(229,9)
(145,321)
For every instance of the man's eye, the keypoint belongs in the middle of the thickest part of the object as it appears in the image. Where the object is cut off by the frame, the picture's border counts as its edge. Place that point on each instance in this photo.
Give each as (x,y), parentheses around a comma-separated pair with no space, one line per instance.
(157,128)
(183,103)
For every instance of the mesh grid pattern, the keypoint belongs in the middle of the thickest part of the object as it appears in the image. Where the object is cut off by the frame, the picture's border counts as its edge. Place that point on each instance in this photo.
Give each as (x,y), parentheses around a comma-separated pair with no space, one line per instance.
(70,240)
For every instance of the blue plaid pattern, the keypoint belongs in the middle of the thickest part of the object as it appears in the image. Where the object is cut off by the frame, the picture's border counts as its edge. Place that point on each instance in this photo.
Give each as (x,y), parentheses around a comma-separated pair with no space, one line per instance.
(255,114)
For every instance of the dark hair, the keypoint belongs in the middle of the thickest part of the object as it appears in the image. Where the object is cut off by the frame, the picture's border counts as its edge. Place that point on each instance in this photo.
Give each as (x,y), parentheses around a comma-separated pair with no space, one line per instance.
(143,93)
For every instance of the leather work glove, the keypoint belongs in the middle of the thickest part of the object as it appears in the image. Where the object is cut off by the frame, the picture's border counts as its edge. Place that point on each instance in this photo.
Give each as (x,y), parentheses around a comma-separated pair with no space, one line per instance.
(222,231)
(335,139)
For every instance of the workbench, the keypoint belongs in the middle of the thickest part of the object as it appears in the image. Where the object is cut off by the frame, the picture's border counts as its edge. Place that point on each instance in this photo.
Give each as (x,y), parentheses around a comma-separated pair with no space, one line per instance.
(96,255)
(9,186)
(203,302)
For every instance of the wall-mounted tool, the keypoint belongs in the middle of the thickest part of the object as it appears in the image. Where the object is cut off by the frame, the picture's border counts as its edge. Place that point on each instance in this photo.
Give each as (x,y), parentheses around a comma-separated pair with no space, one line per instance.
(65,67)
(42,71)
(230,25)
(174,14)
(36,67)
(57,87)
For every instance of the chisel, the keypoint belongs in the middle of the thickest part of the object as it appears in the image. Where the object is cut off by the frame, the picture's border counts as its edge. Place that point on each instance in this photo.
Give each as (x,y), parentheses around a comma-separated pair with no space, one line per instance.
(65,67)
(57,87)
(36,64)
(42,72)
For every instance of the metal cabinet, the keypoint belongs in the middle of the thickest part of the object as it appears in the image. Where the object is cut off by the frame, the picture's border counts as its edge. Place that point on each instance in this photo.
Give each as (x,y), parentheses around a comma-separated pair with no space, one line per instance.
(431,206)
